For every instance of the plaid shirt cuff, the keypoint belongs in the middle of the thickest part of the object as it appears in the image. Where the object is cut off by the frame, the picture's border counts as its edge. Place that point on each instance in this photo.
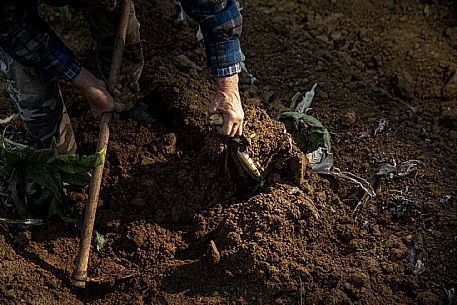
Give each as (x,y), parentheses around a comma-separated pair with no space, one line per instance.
(57,61)
(30,41)
(224,53)
(72,71)
(227,71)
(222,43)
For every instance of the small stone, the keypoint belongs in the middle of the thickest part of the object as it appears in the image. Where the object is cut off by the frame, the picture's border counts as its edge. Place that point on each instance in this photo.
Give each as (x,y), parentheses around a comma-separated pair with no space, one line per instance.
(184,61)
(336,36)
(139,202)
(449,118)
(147,161)
(267,96)
(351,118)
(22,239)
(452,135)
(320,66)
(406,83)
(213,254)
(323,38)
(170,139)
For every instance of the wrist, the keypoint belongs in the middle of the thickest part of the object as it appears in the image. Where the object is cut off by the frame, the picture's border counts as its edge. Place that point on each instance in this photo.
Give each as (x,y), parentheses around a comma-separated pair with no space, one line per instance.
(227,82)
(79,79)
(84,79)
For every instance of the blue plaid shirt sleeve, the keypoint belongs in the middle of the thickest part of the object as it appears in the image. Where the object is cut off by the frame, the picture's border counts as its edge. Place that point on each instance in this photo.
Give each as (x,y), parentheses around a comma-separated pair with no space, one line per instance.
(221,25)
(30,41)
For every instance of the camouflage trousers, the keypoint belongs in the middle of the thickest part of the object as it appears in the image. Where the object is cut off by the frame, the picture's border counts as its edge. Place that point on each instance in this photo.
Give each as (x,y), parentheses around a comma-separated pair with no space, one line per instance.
(39,102)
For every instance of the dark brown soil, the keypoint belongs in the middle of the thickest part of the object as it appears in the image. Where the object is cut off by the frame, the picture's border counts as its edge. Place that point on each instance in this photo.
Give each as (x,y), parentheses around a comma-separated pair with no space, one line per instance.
(175,210)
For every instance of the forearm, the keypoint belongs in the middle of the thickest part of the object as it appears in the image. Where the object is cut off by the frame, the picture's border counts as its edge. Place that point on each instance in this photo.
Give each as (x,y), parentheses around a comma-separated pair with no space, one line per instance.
(30,41)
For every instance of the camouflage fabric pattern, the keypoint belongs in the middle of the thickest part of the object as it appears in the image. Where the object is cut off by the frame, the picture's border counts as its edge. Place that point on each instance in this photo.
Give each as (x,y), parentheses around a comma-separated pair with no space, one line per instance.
(39,102)
(103,26)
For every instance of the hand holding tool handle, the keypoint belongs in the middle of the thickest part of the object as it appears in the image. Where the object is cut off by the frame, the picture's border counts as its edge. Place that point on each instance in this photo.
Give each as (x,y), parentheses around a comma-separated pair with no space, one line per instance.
(80,273)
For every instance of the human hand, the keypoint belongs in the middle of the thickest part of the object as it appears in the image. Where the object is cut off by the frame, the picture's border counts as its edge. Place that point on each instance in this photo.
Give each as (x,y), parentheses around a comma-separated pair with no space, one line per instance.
(95,92)
(227,102)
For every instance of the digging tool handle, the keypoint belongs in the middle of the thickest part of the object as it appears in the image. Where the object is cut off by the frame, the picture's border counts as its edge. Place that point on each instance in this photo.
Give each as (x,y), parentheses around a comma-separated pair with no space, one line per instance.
(80,273)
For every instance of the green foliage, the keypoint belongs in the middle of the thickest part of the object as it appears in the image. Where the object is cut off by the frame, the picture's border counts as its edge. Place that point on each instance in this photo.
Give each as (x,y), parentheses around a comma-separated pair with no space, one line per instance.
(65,14)
(314,134)
(45,172)
(293,102)
(98,240)
(426,10)
(310,130)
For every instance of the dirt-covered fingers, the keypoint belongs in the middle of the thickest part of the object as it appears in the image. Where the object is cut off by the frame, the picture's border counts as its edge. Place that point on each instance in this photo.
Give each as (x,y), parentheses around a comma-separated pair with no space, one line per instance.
(228,103)
(236,129)
(95,92)
(239,130)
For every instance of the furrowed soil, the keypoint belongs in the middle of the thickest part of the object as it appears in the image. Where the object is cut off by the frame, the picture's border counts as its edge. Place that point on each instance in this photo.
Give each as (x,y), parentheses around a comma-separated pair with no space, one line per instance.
(176,212)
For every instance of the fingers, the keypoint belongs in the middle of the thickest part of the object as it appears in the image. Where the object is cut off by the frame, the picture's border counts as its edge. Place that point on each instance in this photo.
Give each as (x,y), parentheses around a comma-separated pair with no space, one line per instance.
(118,107)
(117,92)
(227,128)
(239,131)
(231,127)
(233,120)
(234,130)
(116,116)
(101,103)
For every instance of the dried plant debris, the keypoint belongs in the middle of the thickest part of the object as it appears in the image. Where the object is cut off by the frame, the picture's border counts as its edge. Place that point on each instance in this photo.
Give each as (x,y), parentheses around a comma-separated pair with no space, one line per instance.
(447,199)
(182,16)
(252,78)
(320,160)
(406,168)
(361,136)
(98,240)
(451,296)
(315,140)
(382,124)
(399,204)
(417,253)
(24,222)
(9,119)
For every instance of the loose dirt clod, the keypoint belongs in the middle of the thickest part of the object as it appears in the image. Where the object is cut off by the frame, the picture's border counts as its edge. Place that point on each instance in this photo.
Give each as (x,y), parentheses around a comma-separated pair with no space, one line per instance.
(213,254)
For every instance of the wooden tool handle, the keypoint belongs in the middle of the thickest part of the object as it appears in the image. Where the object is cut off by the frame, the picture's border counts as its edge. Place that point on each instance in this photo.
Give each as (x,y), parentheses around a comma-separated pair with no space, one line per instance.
(80,273)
